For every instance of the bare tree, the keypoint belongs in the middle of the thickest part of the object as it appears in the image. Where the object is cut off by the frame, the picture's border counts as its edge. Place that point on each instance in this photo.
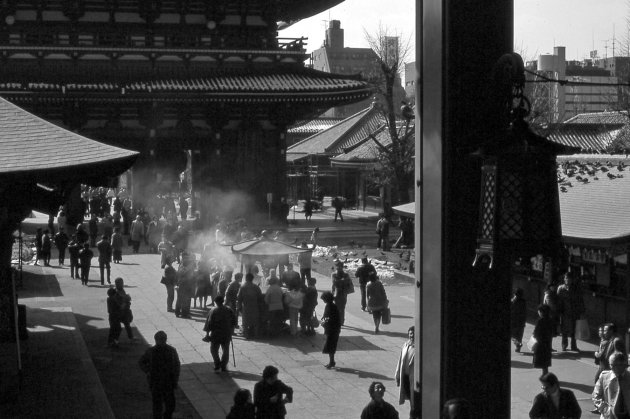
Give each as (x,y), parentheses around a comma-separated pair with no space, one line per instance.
(397,167)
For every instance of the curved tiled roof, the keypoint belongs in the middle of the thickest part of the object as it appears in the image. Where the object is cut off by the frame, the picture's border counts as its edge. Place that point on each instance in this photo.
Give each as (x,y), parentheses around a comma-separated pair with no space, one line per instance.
(344,134)
(313,126)
(615,117)
(588,137)
(302,83)
(32,144)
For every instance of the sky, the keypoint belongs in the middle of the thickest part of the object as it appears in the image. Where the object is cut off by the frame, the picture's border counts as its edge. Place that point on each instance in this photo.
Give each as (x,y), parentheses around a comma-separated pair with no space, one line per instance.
(539,25)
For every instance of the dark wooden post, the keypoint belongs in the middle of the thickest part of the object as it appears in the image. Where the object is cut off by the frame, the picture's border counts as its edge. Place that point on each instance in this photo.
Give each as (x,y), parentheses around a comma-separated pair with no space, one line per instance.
(463,314)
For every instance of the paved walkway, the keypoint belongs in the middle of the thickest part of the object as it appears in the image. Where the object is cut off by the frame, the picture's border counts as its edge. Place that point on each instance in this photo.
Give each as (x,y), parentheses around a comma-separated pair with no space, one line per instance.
(60,378)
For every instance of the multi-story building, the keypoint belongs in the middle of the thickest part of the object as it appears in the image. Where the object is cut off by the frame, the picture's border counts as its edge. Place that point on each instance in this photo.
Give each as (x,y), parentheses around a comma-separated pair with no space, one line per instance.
(594,90)
(335,57)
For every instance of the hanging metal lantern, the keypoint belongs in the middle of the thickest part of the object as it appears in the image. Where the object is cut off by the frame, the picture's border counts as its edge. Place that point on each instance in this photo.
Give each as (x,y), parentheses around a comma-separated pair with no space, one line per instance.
(519,205)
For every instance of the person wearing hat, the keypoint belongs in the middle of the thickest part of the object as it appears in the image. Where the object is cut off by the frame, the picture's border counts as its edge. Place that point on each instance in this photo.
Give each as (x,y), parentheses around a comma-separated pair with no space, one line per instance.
(363,273)
(341,287)
(219,327)
(161,365)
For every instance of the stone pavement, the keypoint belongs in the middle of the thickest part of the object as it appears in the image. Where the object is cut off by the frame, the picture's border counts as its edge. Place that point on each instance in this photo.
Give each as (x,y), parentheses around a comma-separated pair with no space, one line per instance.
(69,386)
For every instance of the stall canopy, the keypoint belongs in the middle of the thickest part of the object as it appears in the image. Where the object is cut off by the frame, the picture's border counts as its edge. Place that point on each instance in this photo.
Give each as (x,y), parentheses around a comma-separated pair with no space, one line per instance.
(263,247)
(406,210)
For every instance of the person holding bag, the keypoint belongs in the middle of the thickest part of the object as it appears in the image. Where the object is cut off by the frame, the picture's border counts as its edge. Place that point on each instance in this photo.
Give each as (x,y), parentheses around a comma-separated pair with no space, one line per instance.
(377,301)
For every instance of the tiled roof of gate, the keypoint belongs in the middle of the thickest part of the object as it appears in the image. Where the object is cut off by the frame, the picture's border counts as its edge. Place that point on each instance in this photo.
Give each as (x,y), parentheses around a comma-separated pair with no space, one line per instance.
(29,143)
(238,82)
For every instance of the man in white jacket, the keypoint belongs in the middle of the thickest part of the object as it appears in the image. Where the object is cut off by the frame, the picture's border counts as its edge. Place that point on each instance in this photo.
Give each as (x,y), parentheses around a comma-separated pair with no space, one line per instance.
(611,395)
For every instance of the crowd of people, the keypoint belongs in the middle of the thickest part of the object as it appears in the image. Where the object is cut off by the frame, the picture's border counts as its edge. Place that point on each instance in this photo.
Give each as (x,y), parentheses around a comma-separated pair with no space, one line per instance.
(562,314)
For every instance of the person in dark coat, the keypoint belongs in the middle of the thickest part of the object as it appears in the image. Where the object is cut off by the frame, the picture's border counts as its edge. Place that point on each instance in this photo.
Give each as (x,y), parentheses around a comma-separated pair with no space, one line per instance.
(308,307)
(169,279)
(114,311)
(363,273)
(378,408)
(518,317)
(271,394)
(93,229)
(46,247)
(161,365)
(243,407)
(554,402)
(543,332)
(332,327)
(183,208)
(185,288)
(61,242)
(571,309)
(104,258)
(73,249)
(85,259)
(219,327)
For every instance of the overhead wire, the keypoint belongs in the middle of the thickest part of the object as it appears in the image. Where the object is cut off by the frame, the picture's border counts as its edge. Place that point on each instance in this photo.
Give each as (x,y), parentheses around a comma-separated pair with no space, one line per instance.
(570,82)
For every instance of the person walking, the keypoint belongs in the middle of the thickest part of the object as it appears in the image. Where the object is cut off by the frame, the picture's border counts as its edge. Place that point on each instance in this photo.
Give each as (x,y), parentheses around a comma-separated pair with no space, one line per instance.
(378,408)
(219,327)
(169,279)
(376,300)
(162,366)
(554,401)
(341,287)
(114,311)
(185,288)
(136,233)
(363,273)
(571,309)
(248,301)
(46,247)
(404,371)
(382,230)
(104,258)
(337,203)
(61,242)
(85,259)
(611,395)
(117,245)
(73,250)
(518,317)
(124,300)
(271,395)
(543,333)
(331,322)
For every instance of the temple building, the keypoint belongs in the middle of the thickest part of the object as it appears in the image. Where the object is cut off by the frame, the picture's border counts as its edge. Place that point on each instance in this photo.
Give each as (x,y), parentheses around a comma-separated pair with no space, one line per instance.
(172,79)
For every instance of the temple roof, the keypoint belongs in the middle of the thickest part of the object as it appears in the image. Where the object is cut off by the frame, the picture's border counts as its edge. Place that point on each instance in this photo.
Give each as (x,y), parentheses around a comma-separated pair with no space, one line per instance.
(297,85)
(586,136)
(35,148)
(334,140)
(292,10)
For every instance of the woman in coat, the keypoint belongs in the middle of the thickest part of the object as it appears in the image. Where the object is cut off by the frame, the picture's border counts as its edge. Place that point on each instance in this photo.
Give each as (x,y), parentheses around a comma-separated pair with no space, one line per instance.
(543,332)
(404,369)
(332,327)
(376,299)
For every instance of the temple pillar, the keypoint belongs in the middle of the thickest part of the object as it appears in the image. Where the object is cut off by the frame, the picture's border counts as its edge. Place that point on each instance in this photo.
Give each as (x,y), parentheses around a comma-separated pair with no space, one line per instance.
(462,319)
